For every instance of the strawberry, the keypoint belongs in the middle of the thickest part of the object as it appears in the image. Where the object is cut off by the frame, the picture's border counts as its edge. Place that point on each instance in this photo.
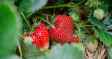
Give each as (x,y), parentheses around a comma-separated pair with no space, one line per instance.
(60,36)
(41,37)
(63,30)
(64,22)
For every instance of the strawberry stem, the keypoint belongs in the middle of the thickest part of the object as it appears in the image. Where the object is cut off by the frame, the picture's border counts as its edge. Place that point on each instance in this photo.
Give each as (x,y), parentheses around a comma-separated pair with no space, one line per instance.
(24,18)
(19,47)
(51,25)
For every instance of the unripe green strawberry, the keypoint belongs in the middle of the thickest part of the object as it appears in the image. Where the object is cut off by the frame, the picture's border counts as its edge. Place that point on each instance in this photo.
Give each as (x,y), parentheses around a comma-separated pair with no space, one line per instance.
(99,13)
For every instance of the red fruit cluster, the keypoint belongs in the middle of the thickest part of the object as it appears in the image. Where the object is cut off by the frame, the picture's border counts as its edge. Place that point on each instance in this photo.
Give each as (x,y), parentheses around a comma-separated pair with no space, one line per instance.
(41,37)
(63,30)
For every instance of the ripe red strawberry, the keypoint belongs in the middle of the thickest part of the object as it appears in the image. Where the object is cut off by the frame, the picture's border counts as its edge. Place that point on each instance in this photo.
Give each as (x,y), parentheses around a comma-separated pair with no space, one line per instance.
(41,37)
(63,30)
(59,35)
(64,22)
(62,37)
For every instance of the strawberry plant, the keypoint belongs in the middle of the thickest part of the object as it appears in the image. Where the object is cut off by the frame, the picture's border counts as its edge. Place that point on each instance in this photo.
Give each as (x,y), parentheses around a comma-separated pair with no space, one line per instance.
(55,29)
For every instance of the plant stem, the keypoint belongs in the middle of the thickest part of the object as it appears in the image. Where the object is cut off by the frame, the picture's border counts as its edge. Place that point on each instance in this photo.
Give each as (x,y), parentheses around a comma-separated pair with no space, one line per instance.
(70,5)
(19,48)
(58,6)
(51,25)
(27,22)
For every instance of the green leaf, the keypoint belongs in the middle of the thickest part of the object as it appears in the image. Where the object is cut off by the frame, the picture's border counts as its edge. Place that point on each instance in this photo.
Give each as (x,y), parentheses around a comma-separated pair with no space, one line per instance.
(12,56)
(7,1)
(109,53)
(101,32)
(32,52)
(104,36)
(97,23)
(9,29)
(74,51)
(108,22)
(67,51)
(31,6)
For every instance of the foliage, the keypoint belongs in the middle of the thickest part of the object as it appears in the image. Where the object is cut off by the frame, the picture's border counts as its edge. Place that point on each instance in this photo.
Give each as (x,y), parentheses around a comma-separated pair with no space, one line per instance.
(75,51)
(92,21)
(31,6)
(110,53)
(101,32)
(9,29)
